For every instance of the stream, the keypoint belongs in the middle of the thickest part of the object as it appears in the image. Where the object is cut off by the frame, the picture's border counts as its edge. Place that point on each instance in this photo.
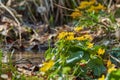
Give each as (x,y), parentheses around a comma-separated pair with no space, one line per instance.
(25,57)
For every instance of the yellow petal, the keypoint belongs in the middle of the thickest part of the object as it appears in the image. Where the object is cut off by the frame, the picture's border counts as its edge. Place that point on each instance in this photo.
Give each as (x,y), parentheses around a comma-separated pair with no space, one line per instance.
(101,51)
(102,78)
(46,66)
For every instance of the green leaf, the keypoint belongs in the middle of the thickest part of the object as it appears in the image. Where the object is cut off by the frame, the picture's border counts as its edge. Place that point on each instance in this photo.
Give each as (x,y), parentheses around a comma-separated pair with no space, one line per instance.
(50,53)
(115,53)
(1,55)
(66,70)
(112,18)
(74,57)
(114,75)
(96,64)
(74,49)
(117,49)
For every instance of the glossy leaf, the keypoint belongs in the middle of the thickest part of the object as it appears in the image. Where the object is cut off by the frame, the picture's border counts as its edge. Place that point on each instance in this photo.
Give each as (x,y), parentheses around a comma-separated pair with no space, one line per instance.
(114,75)
(75,57)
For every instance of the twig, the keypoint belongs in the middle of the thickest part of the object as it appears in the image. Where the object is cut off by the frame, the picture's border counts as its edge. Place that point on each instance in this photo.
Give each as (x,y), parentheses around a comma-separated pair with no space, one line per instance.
(12,14)
(2,5)
(63,7)
(115,59)
(32,16)
(110,3)
(23,59)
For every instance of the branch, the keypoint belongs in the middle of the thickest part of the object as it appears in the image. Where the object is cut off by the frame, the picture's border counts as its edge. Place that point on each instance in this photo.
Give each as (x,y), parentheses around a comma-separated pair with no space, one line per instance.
(115,59)
(6,8)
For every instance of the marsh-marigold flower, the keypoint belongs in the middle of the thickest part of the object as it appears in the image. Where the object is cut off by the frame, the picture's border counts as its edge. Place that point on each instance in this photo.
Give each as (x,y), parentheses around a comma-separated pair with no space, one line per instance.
(109,63)
(47,65)
(96,8)
(100,7)
(91,9)
(84,4)
(70,33)
(62,35)
(89,45)
(78,29)
(91,2)
(102,78)
(101,51)
(89,37)
(70,38)
(110,66)
(76,14)
(80,38)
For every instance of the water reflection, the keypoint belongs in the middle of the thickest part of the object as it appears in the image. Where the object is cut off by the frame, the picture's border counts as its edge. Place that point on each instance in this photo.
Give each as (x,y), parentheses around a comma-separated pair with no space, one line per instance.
(33,57)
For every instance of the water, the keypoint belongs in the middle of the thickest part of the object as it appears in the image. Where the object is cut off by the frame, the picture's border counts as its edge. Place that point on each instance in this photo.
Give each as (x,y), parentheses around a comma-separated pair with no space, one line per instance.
(32,57)
(22,57)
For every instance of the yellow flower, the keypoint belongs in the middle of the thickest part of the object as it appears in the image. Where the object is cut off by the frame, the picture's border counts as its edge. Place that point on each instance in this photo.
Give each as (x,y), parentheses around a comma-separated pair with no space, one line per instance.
(91,9)
(96,8)
(76,9)
(101,51)
(92,2)
(78,29)
(46,66)
(102,78)
(100,7)
(89,37)
(89,45)
(62,35)
(67,35)
(70,38)
(70,33)
(84,37)
(80,38)
(109,63)
(84,4)
(110,66)
(76,14)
